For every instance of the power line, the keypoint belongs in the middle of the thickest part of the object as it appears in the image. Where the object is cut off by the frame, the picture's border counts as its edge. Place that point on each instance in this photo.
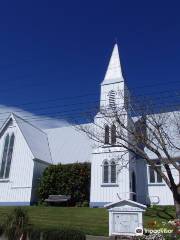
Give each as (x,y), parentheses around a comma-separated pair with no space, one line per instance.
(78,112)
(78,103)
(51,107)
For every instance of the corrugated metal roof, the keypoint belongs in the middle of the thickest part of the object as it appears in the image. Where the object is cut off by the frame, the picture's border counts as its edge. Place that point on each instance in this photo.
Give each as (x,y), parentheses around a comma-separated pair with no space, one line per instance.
(69,145)
(36,139)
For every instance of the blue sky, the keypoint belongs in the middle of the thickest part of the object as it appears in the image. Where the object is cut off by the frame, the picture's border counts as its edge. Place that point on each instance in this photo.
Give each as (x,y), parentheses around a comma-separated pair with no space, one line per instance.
(60,49)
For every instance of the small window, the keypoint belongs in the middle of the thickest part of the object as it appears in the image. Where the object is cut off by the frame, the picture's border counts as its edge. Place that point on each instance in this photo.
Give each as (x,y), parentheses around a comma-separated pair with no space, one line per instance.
(106,135)
(106,172)
(113,134)
(113,172)
(112,98)
(154,177)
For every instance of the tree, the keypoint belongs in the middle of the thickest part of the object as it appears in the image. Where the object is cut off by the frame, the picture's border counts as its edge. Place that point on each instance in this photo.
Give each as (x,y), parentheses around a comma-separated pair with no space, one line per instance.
(145,132)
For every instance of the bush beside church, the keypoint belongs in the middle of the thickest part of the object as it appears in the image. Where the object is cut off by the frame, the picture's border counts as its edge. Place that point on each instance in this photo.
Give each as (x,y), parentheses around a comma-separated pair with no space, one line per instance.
(68,179)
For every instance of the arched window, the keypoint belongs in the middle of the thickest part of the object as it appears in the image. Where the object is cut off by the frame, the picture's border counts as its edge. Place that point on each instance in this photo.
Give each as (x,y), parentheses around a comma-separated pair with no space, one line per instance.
(112,101)
(113,134)
(7,156)
(106,134)
(113,172)
(106,172)
(4,156)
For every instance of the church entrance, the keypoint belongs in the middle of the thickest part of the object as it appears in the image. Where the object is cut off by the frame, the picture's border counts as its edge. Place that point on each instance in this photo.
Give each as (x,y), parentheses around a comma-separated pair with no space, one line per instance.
(134,187)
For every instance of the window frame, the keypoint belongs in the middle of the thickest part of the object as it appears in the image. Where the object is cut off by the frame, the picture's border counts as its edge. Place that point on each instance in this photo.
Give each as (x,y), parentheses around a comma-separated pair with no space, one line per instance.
(4,178)
(109,164)
(149,168)
(106,134)
(113,135)
(113,164)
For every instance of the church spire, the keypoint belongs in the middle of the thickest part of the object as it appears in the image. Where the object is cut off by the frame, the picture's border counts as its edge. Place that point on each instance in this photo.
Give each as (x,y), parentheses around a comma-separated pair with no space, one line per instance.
(114,71)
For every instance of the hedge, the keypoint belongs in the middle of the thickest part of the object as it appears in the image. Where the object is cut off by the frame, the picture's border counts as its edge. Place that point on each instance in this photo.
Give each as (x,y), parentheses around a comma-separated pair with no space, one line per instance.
(68,179)
(60,234)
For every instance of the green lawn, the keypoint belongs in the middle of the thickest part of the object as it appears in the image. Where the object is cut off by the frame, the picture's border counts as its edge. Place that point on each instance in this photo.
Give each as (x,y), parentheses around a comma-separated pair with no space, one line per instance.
(93,221)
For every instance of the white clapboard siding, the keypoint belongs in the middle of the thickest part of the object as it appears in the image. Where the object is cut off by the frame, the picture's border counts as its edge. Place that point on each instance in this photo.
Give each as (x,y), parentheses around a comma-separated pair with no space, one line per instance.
(102,193)
(17,189)
(162,191)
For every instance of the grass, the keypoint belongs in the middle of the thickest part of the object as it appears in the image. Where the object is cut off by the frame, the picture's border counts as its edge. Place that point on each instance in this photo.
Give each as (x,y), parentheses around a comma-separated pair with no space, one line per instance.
(93,221)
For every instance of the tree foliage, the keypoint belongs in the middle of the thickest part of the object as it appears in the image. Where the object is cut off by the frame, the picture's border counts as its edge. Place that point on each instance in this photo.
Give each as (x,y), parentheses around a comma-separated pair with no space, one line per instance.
(69,179)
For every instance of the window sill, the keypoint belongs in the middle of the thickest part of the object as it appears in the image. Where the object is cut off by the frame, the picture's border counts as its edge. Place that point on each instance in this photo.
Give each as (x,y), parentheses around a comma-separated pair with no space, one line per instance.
(109,185)
(156,184)
(4,180)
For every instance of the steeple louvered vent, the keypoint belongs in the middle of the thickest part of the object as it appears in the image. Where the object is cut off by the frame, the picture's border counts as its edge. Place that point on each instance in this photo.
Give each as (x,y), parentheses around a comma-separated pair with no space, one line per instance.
(112,98)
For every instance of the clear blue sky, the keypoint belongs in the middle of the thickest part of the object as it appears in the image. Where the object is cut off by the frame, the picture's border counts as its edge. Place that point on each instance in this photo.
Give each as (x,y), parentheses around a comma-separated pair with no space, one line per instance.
(53,49)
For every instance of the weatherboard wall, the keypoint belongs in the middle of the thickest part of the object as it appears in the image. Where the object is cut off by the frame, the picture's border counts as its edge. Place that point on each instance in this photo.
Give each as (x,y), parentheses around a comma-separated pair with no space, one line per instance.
(102,193)
(159,193)
(17,189)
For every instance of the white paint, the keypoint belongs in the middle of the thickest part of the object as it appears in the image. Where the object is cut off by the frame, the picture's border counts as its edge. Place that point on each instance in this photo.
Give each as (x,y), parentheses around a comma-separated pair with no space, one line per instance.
(125,217)
(68,145)
(114,72)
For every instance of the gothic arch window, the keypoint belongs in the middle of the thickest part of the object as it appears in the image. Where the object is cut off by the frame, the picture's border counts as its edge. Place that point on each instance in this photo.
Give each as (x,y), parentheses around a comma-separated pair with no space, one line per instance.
(113,171)
(106,134)
(112,98)
(105,172)
(7,156)
(113,134)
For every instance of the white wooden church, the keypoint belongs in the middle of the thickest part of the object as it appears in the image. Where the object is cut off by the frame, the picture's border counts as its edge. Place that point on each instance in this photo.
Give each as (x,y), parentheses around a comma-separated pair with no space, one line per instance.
(25,151)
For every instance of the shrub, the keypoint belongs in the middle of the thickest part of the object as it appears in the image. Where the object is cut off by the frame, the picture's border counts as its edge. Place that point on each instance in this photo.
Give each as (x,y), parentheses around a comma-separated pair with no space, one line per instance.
(16,224)
(69,179)
(85,204)
(1,230)
(62,234)
(34,234)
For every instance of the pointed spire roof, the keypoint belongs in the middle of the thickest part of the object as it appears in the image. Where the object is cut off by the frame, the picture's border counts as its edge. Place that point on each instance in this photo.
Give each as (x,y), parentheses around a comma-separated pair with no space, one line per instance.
(114,71)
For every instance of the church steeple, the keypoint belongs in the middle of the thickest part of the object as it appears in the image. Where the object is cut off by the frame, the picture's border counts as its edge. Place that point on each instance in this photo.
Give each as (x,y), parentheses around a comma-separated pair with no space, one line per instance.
(114,71)
(113,86)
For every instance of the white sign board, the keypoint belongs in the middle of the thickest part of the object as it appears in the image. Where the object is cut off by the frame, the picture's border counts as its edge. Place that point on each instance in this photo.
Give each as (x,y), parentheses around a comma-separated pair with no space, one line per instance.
(125,218)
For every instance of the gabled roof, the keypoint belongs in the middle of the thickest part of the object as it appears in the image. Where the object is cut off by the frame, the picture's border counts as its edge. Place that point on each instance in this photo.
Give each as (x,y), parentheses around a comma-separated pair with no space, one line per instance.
(56,145)
(69,145)
(36,139)
(125,202)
